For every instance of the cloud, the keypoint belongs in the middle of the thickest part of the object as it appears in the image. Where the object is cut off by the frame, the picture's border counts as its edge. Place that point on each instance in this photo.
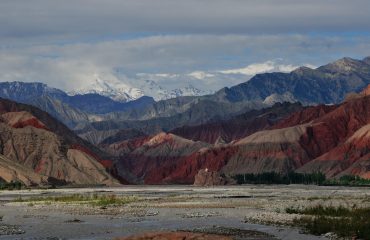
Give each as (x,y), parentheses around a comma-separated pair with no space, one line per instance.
(200,75)
(66,43)
(253,69)
(46,21)
(74,65)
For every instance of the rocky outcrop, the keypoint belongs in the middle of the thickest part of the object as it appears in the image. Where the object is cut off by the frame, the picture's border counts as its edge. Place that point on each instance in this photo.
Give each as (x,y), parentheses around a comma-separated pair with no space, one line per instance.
(211,178)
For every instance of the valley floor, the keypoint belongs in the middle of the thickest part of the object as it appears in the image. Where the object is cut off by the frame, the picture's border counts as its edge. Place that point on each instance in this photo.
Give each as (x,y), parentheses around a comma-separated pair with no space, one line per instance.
(247,212)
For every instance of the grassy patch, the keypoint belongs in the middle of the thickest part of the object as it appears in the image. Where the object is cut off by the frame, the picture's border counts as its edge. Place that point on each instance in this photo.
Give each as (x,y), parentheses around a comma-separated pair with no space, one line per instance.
(114,200)
(321,211)
(348,180)
(279,178)
(315,178)
(94,199)
(345,222)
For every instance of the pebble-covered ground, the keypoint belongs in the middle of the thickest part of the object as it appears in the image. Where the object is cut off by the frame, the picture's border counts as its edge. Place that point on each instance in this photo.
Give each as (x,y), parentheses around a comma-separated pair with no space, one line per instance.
(257,211)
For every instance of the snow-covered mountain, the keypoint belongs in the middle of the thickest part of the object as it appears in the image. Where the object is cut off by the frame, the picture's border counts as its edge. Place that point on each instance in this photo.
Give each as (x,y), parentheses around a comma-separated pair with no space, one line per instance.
(161,86)
(22,91)
(112,88)
(153,89)
(125,89)
(190,90)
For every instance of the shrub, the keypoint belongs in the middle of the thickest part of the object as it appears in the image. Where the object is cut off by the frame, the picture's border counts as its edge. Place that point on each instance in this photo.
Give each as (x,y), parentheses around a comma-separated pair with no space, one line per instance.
(279,178)
(342,221)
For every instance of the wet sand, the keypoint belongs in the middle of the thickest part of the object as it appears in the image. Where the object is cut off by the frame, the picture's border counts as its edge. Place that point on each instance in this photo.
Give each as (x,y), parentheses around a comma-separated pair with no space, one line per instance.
(169,208)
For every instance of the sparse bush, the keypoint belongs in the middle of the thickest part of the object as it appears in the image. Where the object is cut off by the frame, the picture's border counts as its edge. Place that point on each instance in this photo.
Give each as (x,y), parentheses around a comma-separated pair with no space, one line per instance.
(342,221)
(348,180)
(94,199)
(114,200)
(279,178)
(320,210)
(16,185)
(316,178)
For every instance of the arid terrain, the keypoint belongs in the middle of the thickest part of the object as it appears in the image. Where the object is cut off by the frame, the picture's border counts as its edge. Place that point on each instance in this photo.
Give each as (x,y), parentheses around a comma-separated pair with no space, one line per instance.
(241,212)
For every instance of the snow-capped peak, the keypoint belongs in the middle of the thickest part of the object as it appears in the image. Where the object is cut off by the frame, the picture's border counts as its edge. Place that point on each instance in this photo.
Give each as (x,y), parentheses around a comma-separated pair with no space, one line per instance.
(123,88)
(190,90)
(111,88)
(153,89)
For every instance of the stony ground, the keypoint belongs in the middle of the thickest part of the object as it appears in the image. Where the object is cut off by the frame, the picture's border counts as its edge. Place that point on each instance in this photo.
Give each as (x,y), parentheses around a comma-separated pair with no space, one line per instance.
(239,212)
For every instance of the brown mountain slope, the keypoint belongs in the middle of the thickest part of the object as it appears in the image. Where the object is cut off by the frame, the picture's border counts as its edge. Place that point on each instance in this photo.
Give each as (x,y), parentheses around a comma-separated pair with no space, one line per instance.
(330,139)
(304,116)
(275,150)
(352,157)
(145,155)
(240,126)
(42,146)
(11,171)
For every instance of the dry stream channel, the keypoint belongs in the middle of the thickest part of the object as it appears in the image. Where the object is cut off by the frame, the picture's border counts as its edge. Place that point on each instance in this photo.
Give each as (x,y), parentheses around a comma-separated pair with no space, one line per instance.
(242,212)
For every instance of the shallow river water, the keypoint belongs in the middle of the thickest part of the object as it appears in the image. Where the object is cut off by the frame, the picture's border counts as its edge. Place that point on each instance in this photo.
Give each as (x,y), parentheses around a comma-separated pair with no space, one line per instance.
(163,208)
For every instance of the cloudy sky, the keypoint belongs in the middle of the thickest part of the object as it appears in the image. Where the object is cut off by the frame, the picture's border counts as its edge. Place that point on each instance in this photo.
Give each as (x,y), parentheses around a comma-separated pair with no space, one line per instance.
(66,43)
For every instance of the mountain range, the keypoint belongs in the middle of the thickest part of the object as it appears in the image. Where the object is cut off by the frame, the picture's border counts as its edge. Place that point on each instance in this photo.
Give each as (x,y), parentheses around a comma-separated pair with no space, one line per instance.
(334,140)
(124,92)
(305,120)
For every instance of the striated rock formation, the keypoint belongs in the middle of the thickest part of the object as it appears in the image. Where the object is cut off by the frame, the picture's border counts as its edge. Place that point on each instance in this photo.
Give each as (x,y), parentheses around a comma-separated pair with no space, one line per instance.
(330,139)
(334,143)
(145,157)
(22,119)
(352,157)
(11,171)
(304,116)
(39,148)
(240,126)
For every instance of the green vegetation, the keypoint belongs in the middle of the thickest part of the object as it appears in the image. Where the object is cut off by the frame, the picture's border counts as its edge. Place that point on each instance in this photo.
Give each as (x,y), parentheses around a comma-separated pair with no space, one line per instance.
(94,199)
(278,178)
(321,211)
(114,200)
(348,180)
(345,222)
(317,178)
(11,186)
